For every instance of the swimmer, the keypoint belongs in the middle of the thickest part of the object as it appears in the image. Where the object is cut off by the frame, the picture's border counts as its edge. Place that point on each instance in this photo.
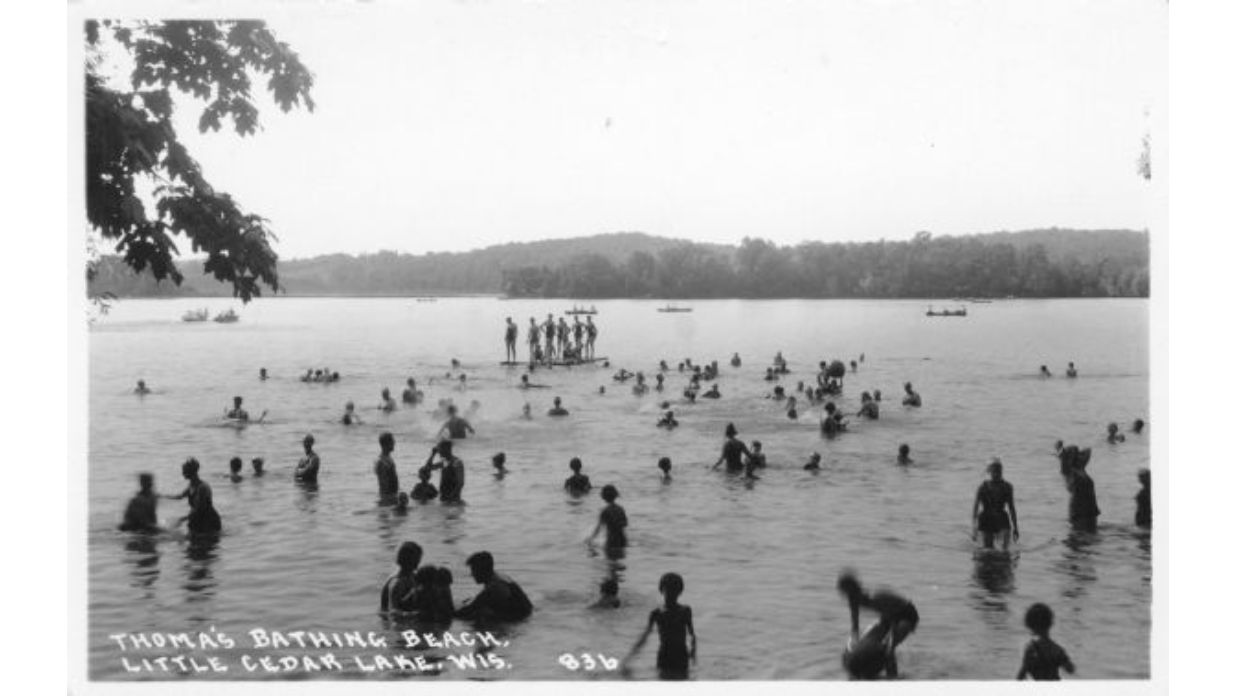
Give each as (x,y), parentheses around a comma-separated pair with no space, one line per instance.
(349,415)
(769,376)
(455,364)
(735,361)
(307,467)
(141,514)
(384,468)
(474,407)
(237,413)
(1083,504)
(558,410)
(778,393)
(903,455)
(1142,517)
(640,387)
(1138,425)
(660,382)
(451,480)
(613,518)
(401,502)
(236,465)
(853,366)
(499,463)
(875,396)
(258,464)
(262,374)
(813,462)
(1043,371)
(526,413)
(525,384)
(832,423)
(1113,434)
(141,389)
(601,391)
(410,393)
(990,501)
(512,334)
(202,517)
(609,595)
(674,624)
(663,366)
(1059,447)
(755,460)
(1043,658)
(1071,372)
(912,398)
(398,590)
(387,404)
(550,329)
(732,451)
(667,421)
(874,651)
(791,410)
(714,392)
(455,426)
(424,490)
(870,408)
(463,383)
(664,464)
(577,483)
(502,599)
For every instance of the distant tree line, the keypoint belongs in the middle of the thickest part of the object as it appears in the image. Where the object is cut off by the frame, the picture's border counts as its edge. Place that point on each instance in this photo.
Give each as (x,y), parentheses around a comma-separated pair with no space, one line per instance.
(924,267)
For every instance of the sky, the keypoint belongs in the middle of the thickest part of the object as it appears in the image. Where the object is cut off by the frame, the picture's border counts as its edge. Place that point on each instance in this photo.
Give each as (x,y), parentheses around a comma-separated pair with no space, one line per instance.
(448,125)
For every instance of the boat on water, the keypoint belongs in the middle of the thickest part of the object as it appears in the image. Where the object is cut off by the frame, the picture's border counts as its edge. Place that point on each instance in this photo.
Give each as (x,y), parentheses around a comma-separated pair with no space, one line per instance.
(228,317)
(196,315)
(426,299)
(673,308)
(580,310)
(931,312)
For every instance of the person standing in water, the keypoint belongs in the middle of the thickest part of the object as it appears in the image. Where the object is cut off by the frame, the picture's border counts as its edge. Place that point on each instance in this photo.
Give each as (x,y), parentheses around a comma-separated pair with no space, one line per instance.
(349,415)
(141,515)
(903,455)
(512,335)
(1071,372)
(912,398)
(990,501)
(142,389)
(558,410)
(384,469)
(455,427)
(307,467)
(399,589)
(577,483)
(1043,658)
(733,451)
(451,481)
(500,599)
(1142,517)
(873,652)
(237,413)
(613,518)
(664,464)
(202,517)
(674,625)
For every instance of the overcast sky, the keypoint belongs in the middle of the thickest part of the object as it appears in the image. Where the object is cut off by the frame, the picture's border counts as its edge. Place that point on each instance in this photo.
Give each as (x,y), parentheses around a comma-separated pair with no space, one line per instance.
(452,125)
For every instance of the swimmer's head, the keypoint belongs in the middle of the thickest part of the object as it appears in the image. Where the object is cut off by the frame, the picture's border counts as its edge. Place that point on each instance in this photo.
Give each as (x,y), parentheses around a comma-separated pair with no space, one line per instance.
(664,464)
(190,468)
(499,460)
(236,401)
(146,480)
(865,397)
(481,564)
(386,441)
(996,468)
(609,587)
(308,441)
(1059,445)
(386,393)
(528,406)
(602,390)
(258,463)
(557,401)
(349,406)
(730,430)
(236,464)
(848,584)
(451,410)
(445,448)
(1143,476)
(576,464)
(1039,618)
(909,387)
(141,384)
(1138,425)
(756,445)
(830,407)
(523,378)
(903,450)
(409,556)
(1112,428)
(609,493)
(423,474)
(815,457)
(671,585)
(402,499)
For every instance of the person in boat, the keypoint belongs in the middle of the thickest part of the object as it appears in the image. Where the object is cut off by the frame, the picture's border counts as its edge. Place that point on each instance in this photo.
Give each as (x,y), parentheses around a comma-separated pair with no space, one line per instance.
(791,408)
(873,652)
(667,420)
(534,340)
(258,467)
(994,511)
(202,517)
(511,335)
(558,410)
(141,389)
(235,466)
(384,469)
(1113,434)
(911,398)
(813,462)
(501,599)
(237,413)
(1138,426)
(664,464)
(387,404)
(455,427)
(451,480)
(1043,658)
(674,625)
(399,589)
(903,455)
(613,519)
(424,490)
(499,464)
(308,466)
(1043,371)
(869,408)
(590,346)
(735,361)
(141,514)
(1142,517)
(1071,372)
(577,483)
(732,451)
(349,415)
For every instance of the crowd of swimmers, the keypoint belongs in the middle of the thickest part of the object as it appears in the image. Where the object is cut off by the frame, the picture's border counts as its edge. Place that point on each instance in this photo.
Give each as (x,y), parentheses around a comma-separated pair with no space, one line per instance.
(425,591)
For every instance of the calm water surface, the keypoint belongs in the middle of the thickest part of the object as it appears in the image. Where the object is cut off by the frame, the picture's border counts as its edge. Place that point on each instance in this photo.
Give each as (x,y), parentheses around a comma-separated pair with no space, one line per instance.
(760,561)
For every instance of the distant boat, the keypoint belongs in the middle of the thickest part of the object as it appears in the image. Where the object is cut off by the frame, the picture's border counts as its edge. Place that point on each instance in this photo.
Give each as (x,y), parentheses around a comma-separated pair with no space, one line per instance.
(426,299)
(673,308)
(196,315)
(946,312)
(580,310)
(228,317)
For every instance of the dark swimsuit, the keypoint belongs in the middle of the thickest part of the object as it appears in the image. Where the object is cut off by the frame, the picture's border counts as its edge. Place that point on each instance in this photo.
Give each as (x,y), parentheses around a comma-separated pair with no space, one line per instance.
(671,624)
(203,518)
(994,497)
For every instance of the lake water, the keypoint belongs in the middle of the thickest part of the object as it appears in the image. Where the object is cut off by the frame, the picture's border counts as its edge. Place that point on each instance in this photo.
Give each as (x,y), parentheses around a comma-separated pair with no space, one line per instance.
(760,561)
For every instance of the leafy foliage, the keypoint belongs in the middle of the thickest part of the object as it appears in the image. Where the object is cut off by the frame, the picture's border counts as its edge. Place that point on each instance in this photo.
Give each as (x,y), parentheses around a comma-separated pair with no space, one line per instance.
(130,140)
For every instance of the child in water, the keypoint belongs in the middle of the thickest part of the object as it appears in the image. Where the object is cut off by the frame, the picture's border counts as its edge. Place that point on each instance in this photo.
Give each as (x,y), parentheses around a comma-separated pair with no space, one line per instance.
(673,623)
(664,465)
(903,455)
(1113,433)
(1043,658)
(424,490)
(609,595)
(874,651)
(258,463)
(499,462)
(613,518)
(577,483)
(236,465)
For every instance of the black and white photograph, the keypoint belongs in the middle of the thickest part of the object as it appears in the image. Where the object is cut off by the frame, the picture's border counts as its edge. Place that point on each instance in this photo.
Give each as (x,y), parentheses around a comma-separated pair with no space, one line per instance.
(634,341)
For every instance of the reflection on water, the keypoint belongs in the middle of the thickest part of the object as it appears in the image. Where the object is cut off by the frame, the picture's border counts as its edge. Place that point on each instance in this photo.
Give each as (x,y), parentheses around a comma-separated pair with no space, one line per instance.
(201,552)
(1077,563)
(142,553)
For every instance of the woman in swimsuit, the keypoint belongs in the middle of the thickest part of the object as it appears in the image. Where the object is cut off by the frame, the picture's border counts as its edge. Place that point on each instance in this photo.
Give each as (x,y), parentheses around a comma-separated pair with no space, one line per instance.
(202,517)
(990,501)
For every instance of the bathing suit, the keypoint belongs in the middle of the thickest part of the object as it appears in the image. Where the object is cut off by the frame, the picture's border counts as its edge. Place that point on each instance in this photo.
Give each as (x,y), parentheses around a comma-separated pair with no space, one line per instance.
(994,496)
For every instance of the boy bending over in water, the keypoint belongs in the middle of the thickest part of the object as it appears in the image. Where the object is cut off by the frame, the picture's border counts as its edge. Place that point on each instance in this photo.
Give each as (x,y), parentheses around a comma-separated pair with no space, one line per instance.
(1043,658)
(874,651)
(674,624)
